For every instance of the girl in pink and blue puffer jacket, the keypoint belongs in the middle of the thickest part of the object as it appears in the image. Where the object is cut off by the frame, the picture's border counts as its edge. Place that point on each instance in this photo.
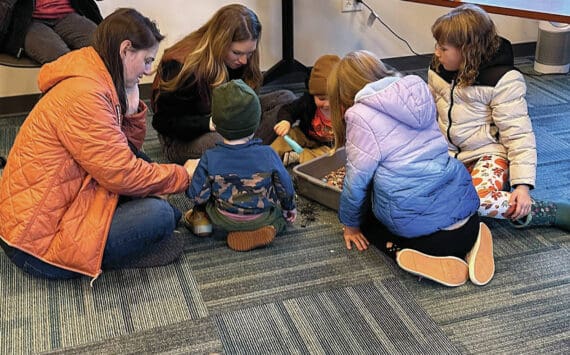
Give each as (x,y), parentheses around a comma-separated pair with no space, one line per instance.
(402,190)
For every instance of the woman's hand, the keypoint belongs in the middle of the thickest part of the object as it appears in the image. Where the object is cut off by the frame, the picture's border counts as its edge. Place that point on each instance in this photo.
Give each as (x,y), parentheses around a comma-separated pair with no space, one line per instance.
(133,99)
(354,235)
(282,128)
(520,203)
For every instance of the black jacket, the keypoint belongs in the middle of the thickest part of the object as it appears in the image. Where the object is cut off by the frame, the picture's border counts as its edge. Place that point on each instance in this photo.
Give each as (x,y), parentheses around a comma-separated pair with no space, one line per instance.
(183,114)
(302,109)
(16,16)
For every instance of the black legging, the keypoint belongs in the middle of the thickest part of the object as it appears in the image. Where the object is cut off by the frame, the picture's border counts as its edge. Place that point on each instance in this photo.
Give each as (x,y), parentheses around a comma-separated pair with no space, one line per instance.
(457,242)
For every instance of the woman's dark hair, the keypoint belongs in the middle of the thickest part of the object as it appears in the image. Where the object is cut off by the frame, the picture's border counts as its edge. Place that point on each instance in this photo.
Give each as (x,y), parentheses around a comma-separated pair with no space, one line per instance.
(123,24)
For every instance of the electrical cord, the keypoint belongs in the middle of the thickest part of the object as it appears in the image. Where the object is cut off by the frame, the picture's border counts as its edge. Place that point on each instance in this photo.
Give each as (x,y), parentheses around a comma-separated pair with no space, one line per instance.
(373,16)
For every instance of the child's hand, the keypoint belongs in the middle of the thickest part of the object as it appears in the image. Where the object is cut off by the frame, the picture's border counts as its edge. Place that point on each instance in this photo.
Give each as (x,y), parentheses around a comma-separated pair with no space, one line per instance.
(291,215)
(282,128)
(520,203)
(354,235)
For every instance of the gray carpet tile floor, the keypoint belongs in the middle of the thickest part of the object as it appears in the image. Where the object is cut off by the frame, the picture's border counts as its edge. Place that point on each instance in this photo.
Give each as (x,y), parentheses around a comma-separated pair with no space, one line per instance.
(307,294)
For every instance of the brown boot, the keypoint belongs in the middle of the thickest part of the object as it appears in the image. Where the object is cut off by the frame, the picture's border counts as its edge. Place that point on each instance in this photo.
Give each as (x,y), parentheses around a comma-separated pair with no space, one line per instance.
(446,270)
(480,258)
(197,222)
(248,240)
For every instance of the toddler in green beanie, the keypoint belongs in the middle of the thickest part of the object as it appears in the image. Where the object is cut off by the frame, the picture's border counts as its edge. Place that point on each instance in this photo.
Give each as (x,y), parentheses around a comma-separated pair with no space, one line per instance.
(241,184)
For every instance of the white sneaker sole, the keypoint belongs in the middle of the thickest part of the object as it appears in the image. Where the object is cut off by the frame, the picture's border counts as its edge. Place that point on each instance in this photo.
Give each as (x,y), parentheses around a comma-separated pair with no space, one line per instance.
(480,259)
(449,271)
(202,231)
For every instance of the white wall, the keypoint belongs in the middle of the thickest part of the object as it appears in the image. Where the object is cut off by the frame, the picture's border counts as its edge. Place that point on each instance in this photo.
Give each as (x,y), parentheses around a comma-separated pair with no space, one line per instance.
(319,27)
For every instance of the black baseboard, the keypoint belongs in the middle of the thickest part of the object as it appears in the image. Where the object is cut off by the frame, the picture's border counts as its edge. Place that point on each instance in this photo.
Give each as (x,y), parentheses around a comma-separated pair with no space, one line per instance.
(24,103)
(415,62)
(17,104)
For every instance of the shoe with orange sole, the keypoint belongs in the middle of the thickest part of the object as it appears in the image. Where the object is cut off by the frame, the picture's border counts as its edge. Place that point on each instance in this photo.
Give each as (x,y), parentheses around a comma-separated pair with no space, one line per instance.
(248,240)
(446,270)
(480,259)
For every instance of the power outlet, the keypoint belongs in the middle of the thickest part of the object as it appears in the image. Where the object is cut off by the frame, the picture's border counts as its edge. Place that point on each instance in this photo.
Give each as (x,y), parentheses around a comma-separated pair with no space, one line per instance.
(351,6)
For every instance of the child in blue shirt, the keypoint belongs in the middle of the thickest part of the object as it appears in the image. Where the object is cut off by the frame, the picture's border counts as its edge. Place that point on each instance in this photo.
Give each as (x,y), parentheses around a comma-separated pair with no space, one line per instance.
(241,184)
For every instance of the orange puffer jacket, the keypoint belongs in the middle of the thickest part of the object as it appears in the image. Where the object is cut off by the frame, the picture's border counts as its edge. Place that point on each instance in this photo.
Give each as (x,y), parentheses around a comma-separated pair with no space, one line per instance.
(71,161)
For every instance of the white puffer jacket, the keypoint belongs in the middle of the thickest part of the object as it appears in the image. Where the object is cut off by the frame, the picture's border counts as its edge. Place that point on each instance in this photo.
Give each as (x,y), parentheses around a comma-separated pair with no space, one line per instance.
(488,117)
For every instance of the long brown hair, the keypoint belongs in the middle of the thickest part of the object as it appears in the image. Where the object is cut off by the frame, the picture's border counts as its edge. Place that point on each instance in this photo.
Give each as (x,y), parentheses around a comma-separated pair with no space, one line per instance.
(123,24)
(470,29)
(347,78)
(202,51)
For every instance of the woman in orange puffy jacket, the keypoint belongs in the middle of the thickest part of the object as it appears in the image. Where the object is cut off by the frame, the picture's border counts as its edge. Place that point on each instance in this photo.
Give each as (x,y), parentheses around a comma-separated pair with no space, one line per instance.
(76,195)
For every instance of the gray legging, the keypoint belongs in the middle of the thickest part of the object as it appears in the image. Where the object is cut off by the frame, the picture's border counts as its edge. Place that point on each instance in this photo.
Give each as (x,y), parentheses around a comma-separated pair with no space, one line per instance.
(47,40)
(178,151)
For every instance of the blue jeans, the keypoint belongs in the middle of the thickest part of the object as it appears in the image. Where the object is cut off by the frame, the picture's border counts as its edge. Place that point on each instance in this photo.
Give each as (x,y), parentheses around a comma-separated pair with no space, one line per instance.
(137,225)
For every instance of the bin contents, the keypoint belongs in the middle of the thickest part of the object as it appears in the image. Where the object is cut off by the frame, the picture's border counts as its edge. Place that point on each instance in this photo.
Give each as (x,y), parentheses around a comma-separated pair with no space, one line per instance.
(312,178)
(335,178)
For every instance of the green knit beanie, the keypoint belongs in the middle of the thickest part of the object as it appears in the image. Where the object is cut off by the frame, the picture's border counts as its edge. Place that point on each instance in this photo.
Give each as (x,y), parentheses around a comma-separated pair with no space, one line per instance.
(236,111)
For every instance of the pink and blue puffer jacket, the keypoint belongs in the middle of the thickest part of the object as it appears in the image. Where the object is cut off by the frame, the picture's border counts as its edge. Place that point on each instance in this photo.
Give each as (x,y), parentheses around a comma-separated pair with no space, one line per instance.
(395,150)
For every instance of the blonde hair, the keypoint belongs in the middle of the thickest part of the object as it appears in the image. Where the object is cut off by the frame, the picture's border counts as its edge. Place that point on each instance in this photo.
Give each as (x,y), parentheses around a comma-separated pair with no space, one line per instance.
(470,29)
(347,78)
(202,51)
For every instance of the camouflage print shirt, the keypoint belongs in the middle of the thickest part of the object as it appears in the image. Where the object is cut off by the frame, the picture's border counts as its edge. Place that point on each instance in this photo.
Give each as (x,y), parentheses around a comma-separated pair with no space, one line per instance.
(243,179)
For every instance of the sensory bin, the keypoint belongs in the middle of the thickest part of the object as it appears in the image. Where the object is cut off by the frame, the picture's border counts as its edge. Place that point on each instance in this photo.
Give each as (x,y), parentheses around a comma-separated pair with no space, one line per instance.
(321,179)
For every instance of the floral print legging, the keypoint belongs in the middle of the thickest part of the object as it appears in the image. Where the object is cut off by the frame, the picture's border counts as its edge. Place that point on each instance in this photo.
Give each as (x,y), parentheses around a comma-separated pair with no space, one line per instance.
(490,176)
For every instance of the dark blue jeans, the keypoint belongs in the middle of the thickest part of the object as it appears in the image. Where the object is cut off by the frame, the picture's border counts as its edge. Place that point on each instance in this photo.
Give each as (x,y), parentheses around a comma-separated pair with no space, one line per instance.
(137,225)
